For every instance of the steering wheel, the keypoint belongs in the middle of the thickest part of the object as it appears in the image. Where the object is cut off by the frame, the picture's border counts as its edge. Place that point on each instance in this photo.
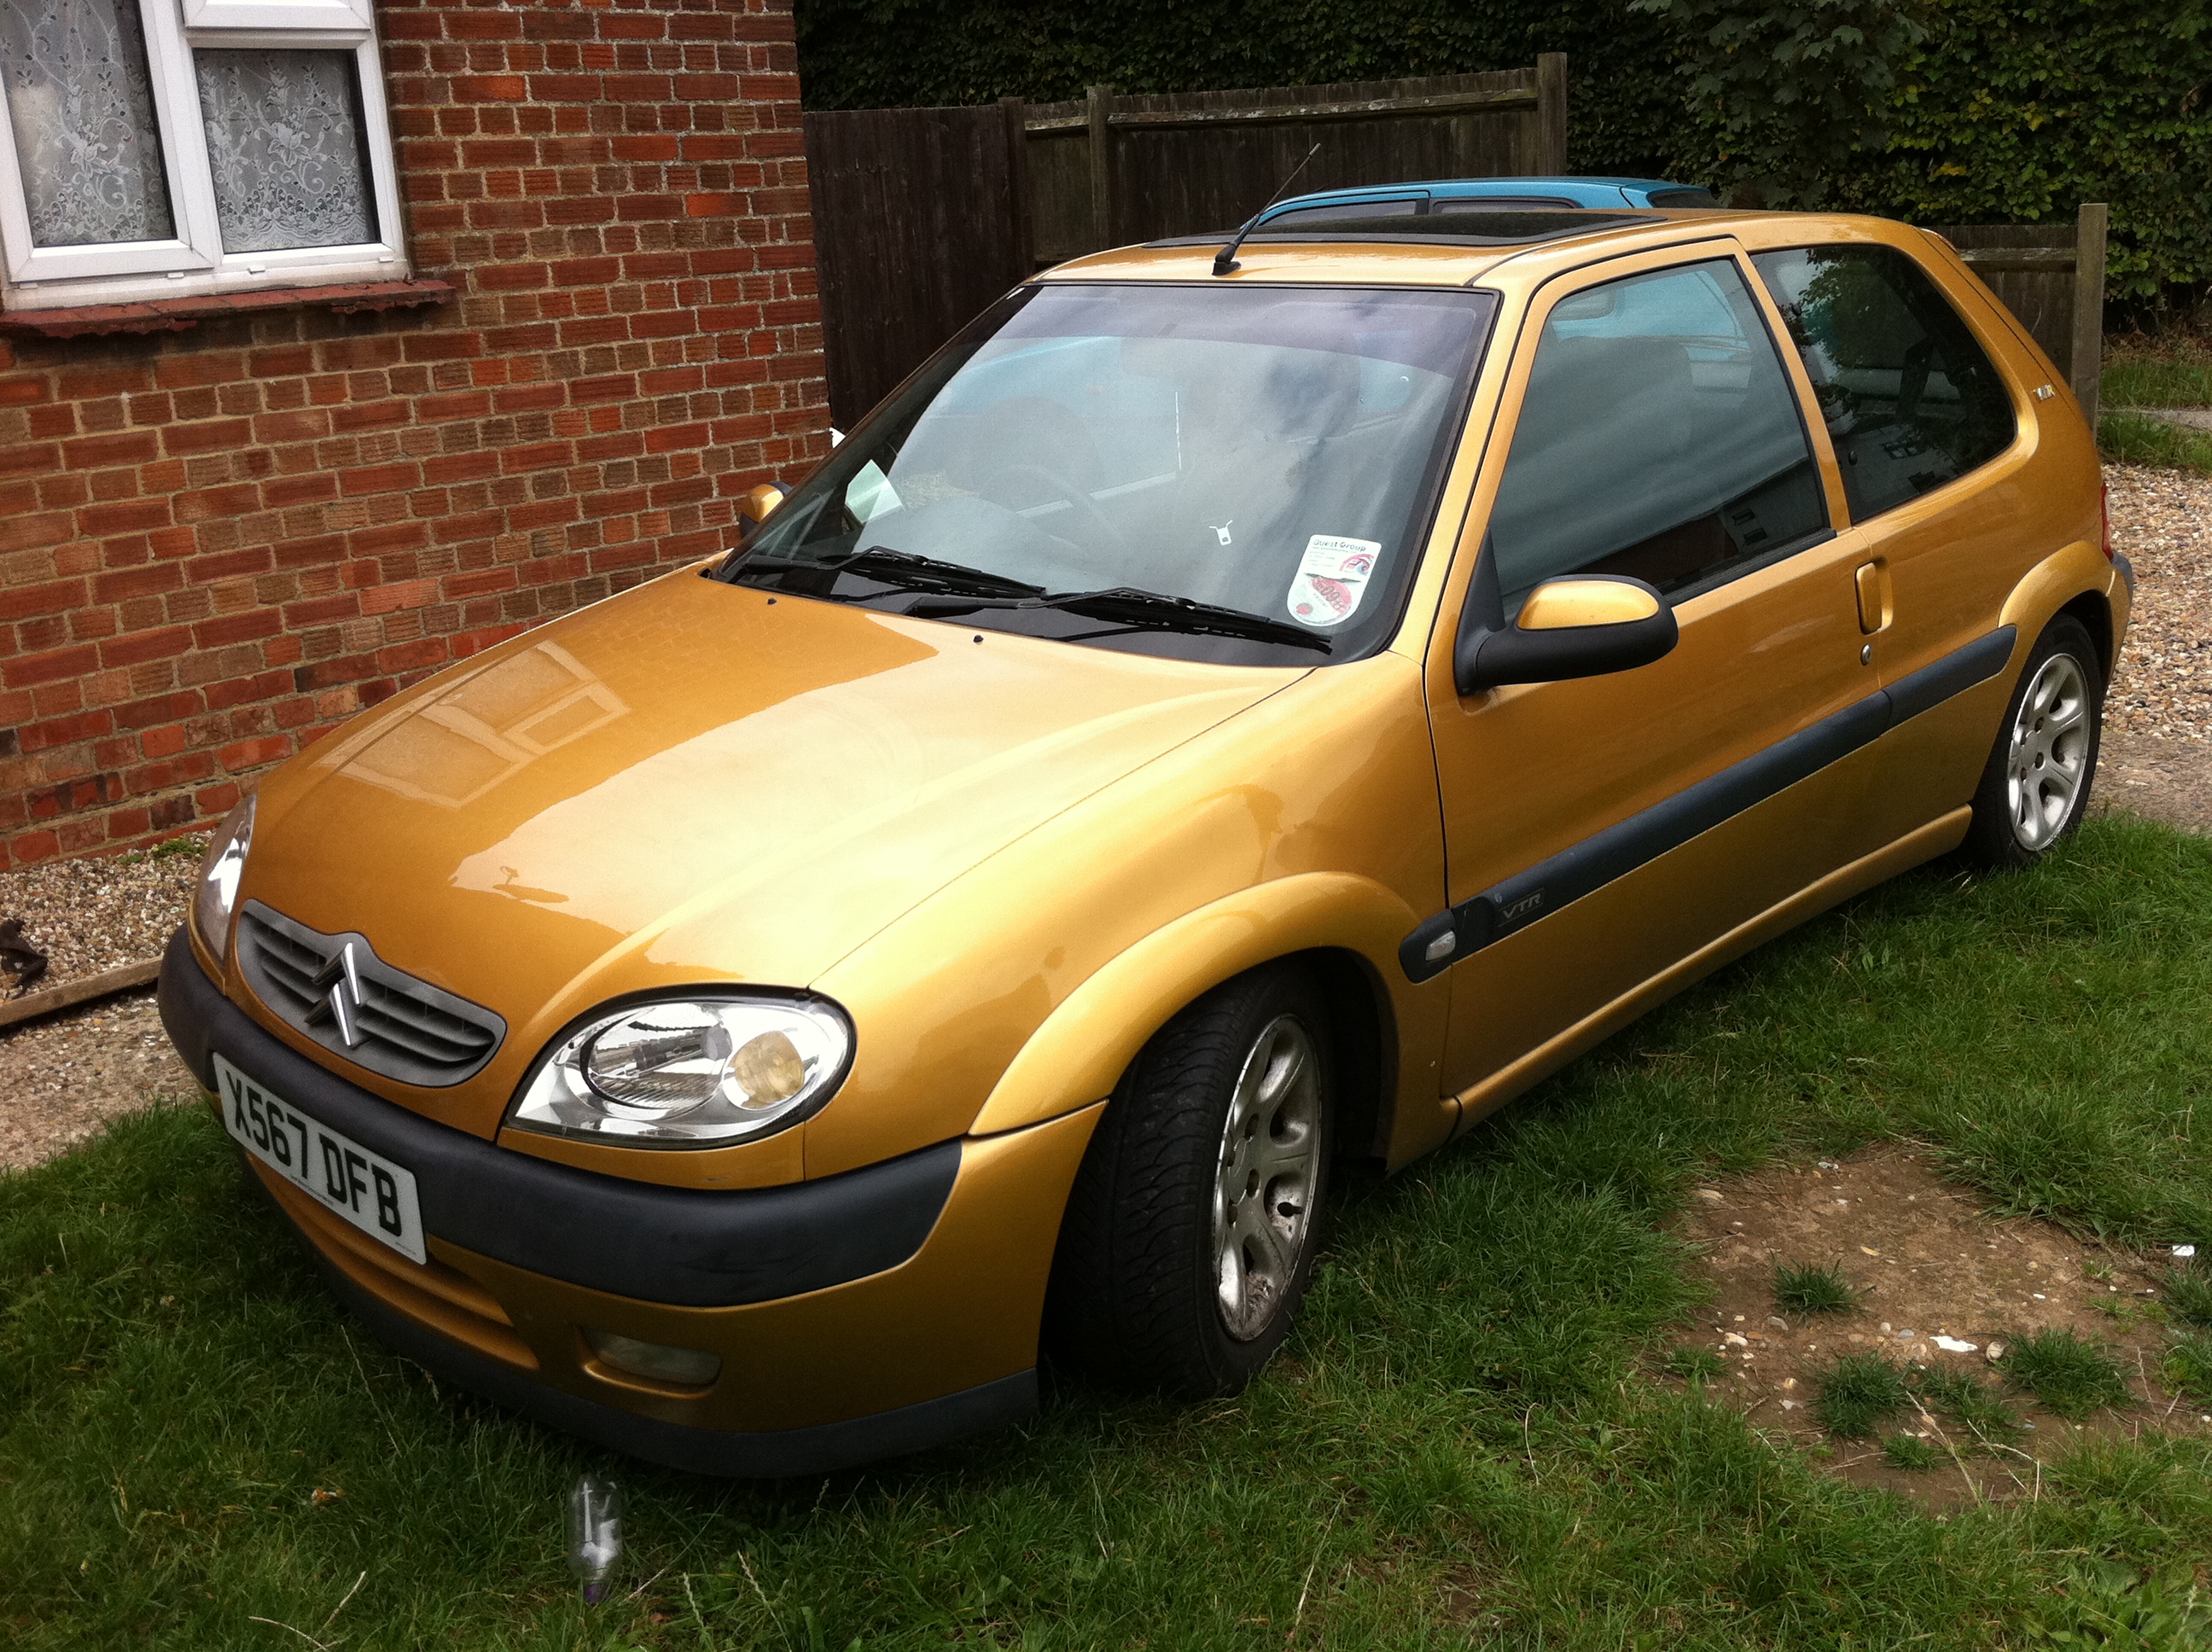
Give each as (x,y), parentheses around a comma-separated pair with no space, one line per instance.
(1103,530)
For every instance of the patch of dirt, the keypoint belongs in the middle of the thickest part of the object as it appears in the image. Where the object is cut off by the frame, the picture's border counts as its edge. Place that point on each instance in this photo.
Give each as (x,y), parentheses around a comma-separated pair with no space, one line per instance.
(2155,777)
(1926,1263)
(68,1075)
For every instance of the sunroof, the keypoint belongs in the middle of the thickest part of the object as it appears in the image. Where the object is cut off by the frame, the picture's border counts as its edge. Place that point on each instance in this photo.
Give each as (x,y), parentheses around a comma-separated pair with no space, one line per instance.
(1446,227)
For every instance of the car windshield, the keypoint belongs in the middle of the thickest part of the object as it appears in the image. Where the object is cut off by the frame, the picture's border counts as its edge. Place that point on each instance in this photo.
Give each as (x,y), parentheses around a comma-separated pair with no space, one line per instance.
(1265,458)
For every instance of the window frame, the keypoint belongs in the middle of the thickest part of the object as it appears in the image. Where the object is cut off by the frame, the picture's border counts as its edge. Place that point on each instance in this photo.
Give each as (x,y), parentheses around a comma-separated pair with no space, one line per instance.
(1569,284)
(194,262)
(2008,381)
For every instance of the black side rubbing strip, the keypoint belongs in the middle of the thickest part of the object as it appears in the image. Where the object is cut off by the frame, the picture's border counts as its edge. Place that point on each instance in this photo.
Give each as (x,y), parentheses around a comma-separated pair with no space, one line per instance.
(1543,889)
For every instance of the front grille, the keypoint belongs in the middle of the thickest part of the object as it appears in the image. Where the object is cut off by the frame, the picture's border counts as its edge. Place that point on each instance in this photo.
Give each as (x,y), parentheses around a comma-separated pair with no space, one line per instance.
(336,990)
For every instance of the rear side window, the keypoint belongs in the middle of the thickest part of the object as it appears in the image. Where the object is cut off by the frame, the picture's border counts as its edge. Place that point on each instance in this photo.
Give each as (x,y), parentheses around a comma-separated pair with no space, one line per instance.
(1659,438)
(1910,399)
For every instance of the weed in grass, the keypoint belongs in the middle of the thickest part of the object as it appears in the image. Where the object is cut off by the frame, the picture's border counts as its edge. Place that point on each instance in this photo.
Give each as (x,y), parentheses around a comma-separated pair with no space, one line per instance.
(1695,1365)
(1975,1407)
(1908,1451)
(2189,1295)
(2070,1375)
(1809,1288)
(2187,1367)
(2101,1271)
(2114,1607)
(1858,1393)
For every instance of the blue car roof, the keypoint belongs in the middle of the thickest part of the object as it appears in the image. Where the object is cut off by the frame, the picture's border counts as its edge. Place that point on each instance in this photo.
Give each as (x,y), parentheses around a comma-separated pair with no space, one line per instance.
(1584,191)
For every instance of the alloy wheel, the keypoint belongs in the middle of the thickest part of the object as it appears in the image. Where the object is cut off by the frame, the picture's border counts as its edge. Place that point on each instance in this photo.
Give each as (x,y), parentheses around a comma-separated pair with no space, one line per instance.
(1263,1196)
(2048,756)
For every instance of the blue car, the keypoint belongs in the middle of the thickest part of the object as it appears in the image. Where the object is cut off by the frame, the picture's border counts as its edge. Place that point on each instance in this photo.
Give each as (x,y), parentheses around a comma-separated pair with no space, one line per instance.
(1484,194)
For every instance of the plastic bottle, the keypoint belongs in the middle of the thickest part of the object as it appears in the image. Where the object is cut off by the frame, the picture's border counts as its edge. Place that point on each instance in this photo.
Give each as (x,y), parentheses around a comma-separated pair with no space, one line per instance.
(594,1532)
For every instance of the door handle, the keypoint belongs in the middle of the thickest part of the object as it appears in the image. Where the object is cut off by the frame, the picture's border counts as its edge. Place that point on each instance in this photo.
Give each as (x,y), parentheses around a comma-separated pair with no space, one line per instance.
(1873,581)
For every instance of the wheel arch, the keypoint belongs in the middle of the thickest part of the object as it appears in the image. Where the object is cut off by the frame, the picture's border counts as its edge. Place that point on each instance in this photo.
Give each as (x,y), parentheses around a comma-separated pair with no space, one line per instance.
(2074,581)
(2095,609)
(1334,924)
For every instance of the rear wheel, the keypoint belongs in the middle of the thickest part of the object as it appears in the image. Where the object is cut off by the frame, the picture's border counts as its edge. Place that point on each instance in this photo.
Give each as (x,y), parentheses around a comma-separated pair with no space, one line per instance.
(1190,1236)
(2036,786)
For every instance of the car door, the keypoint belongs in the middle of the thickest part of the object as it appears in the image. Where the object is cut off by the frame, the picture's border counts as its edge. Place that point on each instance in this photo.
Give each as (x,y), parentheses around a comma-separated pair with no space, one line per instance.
(1933,445)
(1602,832)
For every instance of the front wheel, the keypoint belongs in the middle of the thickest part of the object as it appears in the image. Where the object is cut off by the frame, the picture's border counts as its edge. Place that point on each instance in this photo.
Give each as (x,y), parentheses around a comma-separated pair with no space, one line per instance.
(2035,786)
(1190,1235)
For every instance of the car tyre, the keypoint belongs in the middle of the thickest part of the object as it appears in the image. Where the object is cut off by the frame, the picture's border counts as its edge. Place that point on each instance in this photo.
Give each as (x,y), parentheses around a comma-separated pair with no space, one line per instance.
(2035,786)
(1189,1238)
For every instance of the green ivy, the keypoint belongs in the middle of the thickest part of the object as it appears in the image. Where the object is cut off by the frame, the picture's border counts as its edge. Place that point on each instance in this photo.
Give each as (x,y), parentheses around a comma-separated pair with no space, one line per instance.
(2003,112)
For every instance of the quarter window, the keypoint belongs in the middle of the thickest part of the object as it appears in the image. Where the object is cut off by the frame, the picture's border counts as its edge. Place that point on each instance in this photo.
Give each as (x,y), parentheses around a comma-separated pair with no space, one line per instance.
(1912,400)
(155,147)
(1659,439)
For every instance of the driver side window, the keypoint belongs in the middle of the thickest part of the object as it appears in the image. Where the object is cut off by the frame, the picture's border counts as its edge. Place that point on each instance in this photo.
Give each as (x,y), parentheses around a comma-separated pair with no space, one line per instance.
(1659,438)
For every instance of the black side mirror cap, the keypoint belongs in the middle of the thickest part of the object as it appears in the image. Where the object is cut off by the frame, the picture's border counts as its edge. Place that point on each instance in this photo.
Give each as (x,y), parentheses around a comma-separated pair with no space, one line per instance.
(1491,653)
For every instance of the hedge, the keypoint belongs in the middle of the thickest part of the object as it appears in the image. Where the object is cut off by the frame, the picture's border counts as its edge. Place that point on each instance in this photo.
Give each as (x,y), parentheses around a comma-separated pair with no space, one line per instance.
(2006,113)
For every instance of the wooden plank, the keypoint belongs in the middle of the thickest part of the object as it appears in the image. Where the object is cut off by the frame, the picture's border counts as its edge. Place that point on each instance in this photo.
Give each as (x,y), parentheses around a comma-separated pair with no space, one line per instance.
(70,993)
(1021,237)
(2087,369)
(1551,113)
(1370,109)
(1100,119)
(2018,259)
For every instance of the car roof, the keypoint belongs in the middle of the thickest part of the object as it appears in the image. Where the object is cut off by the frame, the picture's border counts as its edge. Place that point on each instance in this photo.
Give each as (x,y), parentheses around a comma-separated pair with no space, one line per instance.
(1587,191)
(1387,252)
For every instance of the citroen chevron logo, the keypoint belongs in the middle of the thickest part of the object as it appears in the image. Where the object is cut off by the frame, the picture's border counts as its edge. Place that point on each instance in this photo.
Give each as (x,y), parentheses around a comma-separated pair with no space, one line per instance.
(341,976)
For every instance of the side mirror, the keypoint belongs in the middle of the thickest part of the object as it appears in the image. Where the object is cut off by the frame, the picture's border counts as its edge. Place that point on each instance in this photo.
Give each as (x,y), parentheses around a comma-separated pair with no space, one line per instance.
(755,504)
(1582,626)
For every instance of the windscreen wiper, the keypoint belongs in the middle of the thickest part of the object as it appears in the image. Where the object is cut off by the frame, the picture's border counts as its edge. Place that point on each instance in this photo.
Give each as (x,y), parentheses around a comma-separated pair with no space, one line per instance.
(898,567)
(1151,611)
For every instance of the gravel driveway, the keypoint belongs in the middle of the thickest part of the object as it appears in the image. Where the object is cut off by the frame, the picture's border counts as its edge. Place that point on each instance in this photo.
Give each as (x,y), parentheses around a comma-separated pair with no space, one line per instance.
(66,1076)
(2158,715)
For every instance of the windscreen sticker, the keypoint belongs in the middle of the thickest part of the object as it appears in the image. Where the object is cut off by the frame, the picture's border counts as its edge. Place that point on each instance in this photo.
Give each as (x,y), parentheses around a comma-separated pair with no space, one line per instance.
(1331,577)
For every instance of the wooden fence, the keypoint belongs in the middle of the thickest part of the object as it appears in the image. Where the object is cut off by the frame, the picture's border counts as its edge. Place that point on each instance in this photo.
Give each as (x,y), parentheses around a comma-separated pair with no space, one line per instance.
(2051,276)
(923,217)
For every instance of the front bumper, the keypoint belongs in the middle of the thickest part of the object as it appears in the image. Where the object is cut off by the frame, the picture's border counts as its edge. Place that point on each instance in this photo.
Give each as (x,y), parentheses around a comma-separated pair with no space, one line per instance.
(860,1316)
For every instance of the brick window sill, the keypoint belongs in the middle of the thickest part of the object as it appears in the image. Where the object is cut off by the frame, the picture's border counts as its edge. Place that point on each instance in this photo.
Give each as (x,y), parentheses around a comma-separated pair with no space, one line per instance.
(177,314)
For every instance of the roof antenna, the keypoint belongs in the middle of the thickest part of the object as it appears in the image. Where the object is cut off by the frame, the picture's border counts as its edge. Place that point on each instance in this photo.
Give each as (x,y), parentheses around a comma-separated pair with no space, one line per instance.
(1225,259)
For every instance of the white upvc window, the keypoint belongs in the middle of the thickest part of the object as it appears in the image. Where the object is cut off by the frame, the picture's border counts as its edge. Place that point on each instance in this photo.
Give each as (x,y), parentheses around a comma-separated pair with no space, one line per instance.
(157,149)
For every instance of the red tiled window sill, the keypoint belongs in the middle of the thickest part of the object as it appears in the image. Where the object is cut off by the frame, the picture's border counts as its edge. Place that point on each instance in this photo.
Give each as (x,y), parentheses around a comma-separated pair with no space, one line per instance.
(176,314)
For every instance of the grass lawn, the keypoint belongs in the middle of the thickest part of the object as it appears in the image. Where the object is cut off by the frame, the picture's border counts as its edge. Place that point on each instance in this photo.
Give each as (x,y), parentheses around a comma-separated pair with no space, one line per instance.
(2171,370)
(1466,1440)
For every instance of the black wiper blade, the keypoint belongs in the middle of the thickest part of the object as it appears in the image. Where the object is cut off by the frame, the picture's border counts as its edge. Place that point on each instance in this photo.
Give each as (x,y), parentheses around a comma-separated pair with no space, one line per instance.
(1151,610)
(901,567)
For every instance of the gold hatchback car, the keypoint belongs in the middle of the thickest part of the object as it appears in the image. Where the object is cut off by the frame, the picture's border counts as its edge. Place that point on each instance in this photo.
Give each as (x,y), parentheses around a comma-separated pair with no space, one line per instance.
(1226,714)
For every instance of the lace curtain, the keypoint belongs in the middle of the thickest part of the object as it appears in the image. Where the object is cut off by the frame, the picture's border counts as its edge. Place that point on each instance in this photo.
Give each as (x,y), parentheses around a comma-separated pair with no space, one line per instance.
(284,137)
(81,103)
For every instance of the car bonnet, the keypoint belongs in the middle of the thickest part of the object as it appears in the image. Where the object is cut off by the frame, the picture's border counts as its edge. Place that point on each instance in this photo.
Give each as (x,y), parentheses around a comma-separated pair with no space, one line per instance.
(697,782)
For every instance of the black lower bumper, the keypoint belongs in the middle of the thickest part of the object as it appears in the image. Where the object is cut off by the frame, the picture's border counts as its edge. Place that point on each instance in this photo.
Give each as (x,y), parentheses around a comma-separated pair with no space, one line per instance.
(635,1239)
(654,1244)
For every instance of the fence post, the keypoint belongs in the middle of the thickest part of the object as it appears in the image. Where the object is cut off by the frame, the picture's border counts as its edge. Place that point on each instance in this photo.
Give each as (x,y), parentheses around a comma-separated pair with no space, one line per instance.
(1017,112)
(2089,304)
(1551,113)
(1100,99)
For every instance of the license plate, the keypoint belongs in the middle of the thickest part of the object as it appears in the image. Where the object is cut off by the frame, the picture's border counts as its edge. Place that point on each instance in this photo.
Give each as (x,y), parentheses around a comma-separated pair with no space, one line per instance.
(336,1171)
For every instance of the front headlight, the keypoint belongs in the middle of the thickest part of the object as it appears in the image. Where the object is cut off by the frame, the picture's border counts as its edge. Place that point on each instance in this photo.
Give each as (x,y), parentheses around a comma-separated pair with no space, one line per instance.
(693,1073)
(221,868)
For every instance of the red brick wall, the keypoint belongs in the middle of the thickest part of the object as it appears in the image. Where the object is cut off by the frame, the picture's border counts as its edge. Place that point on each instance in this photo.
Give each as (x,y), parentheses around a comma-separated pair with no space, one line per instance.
(215,545)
